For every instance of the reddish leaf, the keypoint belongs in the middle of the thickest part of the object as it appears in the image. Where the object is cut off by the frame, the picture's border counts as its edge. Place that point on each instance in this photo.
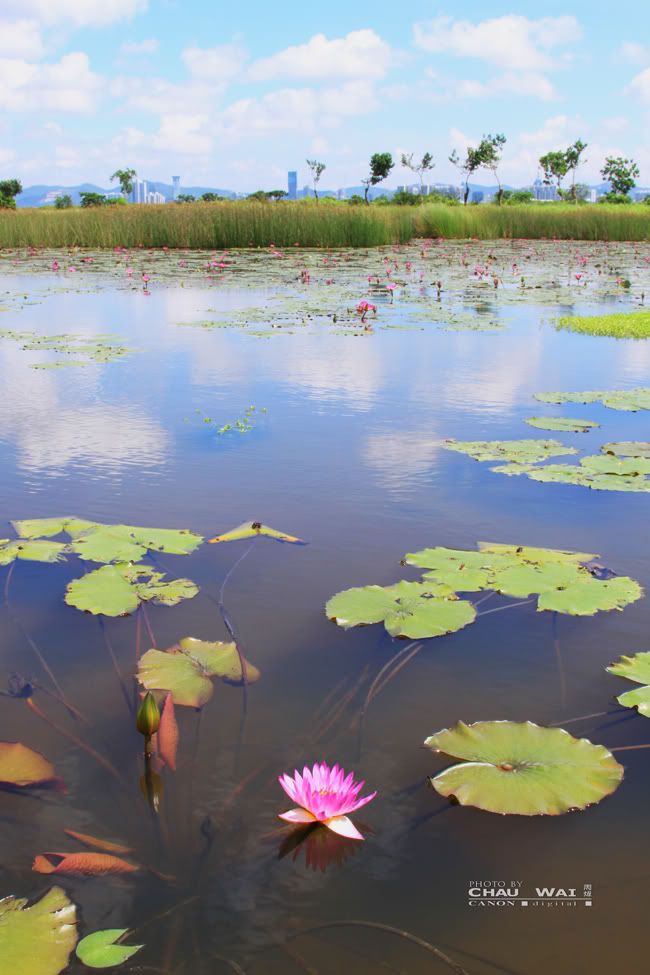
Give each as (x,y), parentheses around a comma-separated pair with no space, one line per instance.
(168,734)
(106,845)
(82,864)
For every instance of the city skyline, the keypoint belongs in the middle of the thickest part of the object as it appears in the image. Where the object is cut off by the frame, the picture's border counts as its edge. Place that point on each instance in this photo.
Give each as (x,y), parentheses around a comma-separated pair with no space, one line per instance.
(86,88)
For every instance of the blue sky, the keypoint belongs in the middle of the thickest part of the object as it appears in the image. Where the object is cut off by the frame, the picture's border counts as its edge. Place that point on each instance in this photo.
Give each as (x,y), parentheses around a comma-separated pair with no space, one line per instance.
(235,96)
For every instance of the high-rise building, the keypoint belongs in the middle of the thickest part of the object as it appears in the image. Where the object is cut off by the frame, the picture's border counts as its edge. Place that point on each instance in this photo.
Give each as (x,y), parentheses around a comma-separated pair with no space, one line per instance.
(292,184)
(139,192)
(176,180)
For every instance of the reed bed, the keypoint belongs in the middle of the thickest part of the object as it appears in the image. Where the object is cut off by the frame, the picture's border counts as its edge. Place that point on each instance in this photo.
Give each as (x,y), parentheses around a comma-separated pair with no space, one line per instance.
(224,225)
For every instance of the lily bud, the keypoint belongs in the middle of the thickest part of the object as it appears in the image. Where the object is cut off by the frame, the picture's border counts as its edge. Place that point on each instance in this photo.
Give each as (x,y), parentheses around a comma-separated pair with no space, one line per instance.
(148,717)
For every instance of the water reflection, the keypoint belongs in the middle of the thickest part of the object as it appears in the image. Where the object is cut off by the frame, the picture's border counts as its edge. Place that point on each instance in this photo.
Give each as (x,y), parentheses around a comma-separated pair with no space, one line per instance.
(319,847)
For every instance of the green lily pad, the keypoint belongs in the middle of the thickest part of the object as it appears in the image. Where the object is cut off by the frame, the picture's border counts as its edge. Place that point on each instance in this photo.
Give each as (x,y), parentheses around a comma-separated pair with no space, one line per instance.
(636,668)
(627,448)
(47,527)
(621,466)
(630,400)
(536,555)
(561,424)
(408,609)
(521,768)
(36,550)
(117,590)
(37,940)
(512,451)
(589,595)
(251,529)
(98,950)
(186,668)
(581,476)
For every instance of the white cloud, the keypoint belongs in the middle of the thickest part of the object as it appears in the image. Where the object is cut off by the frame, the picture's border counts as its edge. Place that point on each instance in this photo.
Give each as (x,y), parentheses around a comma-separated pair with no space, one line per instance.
(640,85)
(182,134)
(360,54)
(65,86)
(6,155)
(216,64)
(511,42)
(633,53)
(525,84)
(148,46)
(20,39)
(81,13)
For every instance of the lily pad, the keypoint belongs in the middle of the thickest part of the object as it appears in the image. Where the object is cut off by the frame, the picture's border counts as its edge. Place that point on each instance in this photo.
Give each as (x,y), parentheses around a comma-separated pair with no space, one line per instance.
(521,768)
(185,669)
(627,448)
(630,400)
(561,424)
(512,451)
(636,668)
(251,529)
(589,595)
(98,950)
(408,609)
(21,767)
(37,550)
(117,590)
(37,940)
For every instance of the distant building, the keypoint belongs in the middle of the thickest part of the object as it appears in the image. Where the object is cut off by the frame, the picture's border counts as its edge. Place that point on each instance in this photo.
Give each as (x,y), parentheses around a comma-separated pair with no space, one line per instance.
(176,180)
(543,191)
(292,184)
(139,192)
(155,197)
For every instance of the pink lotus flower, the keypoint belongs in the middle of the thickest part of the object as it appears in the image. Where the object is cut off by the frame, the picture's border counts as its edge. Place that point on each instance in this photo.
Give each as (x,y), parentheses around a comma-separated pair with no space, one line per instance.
(325,795)
(55,265)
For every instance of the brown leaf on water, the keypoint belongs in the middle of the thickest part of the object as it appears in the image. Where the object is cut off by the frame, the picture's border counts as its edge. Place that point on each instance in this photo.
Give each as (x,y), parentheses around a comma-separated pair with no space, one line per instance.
(168,734)
(21,767)
(82,864)
(106,845)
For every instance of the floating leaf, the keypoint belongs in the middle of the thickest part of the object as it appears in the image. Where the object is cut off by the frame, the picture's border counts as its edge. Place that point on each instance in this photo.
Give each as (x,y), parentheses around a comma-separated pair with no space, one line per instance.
(251,529)
(627,448)
(636,668)
(82,864)
(628,399)
(589,595)
(21,767)
(561,424)
(117,590)
(105,845)
(410,609)
(98,950)
(523,769)
(535,556)
(38,550)
(512,451)
(37,940)
(186,668)
(168,734)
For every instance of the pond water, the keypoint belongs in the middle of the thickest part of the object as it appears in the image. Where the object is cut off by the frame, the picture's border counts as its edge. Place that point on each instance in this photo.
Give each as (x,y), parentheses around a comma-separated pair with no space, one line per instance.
(343,450)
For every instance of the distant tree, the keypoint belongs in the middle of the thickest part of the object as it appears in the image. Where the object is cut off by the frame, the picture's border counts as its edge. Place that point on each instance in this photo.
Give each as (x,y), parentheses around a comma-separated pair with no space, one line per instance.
(581,191)
(381,164)
(211,197)
(554,167)
(9,190)
(572,155)
(355,200)
(63,202)
(490,150)
(620,173)
(467,166)
(185,198)
(317,169)
(125,179)
(517,196)
(93,199)
(425,165)
(275,195)
(406,198)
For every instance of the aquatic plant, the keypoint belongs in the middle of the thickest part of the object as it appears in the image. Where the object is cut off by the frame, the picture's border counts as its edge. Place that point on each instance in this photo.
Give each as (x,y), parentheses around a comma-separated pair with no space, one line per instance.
(37,939)
(118,589)
(621,325)
(23,768)
(100,949)
(561,424)
(636,668)
(186,668)
(520,768)
(325,795)
(630,400)
(512,451)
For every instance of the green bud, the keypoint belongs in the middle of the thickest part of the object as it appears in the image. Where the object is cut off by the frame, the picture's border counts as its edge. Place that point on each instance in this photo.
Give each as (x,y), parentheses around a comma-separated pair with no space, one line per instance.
(148,717)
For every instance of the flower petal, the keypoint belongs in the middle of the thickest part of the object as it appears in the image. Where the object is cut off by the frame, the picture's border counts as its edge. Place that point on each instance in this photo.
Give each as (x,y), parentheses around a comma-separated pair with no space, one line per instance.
(298,816)
(344,827)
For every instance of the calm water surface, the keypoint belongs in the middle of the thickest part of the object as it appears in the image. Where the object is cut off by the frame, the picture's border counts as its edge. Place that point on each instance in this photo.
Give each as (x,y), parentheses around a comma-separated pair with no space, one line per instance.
(346,458)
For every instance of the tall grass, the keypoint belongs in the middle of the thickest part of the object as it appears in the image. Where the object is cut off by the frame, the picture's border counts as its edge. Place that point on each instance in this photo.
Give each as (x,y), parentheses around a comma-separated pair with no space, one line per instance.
(221,225)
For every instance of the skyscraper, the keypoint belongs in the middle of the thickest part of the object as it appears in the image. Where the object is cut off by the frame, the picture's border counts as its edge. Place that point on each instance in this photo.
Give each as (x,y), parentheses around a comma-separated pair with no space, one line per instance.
(176,180)
(292,184)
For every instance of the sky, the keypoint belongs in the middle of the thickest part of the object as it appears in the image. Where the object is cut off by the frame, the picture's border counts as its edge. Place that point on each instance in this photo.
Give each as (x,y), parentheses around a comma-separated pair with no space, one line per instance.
(233,96)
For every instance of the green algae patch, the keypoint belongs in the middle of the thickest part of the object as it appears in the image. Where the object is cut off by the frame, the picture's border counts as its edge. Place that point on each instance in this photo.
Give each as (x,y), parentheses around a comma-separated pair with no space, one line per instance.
(622,325)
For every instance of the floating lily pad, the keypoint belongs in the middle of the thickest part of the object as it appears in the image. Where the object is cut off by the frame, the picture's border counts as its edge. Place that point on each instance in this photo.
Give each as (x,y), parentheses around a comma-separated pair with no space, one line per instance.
(186,668)
(618,475)
(521,768)
(636,668)
(589,595)
(512,451)
(408,609)
(98,950)
(627,448)
(628,399)
(251,529)
(21,767)
(117,590)
(561,424)
(37,940)
(536,555)
(36,550)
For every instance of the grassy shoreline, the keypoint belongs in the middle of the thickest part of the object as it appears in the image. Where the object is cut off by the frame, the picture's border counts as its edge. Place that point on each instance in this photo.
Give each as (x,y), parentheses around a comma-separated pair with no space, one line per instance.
(225,225)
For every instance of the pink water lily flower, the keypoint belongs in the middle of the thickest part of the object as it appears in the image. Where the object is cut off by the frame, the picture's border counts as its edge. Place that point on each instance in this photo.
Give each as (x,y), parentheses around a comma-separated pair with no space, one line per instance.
(325,795)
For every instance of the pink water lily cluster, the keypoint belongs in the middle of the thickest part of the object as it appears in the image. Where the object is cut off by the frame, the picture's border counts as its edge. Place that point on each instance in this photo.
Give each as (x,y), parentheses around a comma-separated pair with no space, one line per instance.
(325,795)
